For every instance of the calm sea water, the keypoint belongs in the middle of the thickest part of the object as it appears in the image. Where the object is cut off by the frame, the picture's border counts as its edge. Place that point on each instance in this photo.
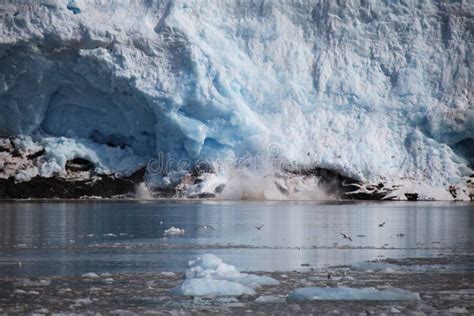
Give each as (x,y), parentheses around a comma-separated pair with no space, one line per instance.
(55,238)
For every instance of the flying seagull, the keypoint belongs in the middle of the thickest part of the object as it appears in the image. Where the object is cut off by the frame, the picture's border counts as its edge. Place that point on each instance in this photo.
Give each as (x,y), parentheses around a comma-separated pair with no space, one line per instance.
(205,227)
(346,236)
(259,227)
(381,225)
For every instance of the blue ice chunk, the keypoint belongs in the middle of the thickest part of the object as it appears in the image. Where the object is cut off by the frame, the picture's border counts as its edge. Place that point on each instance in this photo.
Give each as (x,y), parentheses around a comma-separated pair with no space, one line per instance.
(73,7)
(352,294)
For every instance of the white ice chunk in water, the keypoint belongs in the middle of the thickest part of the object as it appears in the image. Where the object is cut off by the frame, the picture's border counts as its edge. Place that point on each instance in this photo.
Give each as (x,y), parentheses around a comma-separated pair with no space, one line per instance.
(173,231)
(18,291)
(210,266)
(458,310)
(28,282)
(90,275)
(352,294)
(269,299)
(208,275)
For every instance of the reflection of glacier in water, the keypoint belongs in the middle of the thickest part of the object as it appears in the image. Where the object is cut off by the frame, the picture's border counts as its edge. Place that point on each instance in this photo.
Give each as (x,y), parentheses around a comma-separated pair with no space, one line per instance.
(374,90)
(73,238)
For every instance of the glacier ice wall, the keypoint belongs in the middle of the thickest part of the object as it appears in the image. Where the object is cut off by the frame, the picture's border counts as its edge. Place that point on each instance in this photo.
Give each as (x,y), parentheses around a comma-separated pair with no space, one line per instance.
(374,89)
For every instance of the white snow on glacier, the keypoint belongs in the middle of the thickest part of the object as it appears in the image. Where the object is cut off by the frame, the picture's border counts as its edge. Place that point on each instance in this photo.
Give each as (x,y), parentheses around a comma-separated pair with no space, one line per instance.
(378,90)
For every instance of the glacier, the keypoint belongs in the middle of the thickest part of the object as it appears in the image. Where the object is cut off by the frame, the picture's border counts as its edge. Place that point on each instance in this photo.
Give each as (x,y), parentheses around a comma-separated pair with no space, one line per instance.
(379,91)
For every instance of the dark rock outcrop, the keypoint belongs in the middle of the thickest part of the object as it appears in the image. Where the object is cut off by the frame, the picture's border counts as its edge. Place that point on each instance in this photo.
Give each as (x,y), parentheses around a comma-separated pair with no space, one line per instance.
(344,187)
(411,196)
(79,164)
(57,187)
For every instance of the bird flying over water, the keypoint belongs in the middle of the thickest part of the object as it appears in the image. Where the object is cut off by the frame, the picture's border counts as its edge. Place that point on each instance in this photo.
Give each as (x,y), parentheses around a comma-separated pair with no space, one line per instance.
(346,236)
(259,227)
(205,227)
(381,225)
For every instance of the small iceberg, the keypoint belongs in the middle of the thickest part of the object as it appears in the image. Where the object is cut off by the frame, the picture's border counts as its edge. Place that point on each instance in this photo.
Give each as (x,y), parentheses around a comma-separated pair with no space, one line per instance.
(269,299)
(204,287)
(90,275)
(173,231)
(351,294)
(208,275)
(71,5)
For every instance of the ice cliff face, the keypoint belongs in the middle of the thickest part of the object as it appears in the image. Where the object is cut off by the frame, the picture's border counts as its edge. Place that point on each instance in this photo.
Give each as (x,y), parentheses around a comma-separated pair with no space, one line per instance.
(373,89)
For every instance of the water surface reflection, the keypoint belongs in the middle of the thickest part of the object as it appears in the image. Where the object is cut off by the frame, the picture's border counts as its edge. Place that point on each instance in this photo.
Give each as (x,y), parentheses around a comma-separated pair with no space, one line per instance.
(77,237)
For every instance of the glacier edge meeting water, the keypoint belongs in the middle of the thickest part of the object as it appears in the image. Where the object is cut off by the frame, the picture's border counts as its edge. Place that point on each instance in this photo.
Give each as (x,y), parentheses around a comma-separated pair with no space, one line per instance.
(379,91)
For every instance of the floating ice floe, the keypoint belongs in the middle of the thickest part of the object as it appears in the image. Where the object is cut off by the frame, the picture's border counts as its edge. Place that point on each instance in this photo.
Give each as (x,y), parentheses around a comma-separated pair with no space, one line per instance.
(458,310)
(28,282)
(172,231)
(382,267)
(80,302)
(33,293)
(378,267)
(42,311)
(18,291)
(90,275)
(268,299)
(351,294)
(208,275)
